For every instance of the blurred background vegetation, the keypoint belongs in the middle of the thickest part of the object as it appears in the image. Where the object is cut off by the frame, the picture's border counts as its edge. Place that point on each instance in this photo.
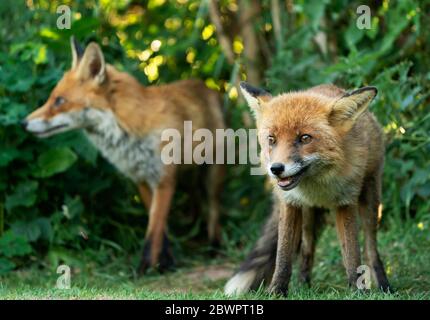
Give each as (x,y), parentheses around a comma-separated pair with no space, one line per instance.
(61,202)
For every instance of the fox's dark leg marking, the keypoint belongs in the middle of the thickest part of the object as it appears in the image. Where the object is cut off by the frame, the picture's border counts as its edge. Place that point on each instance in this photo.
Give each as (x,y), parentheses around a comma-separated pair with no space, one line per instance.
(289,232)
(166,261)
(369,203)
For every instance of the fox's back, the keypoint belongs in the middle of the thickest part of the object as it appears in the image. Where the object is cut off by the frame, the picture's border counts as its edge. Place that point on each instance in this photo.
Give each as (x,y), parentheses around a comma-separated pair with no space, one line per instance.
(191,100)
(144,109)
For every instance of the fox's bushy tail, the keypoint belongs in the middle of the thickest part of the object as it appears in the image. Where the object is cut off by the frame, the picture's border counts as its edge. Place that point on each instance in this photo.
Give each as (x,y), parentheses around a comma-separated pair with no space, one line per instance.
(259,265)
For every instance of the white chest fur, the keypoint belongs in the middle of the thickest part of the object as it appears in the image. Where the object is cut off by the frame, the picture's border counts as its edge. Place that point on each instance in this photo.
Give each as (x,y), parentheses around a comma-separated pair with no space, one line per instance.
(136,157)
(326,194)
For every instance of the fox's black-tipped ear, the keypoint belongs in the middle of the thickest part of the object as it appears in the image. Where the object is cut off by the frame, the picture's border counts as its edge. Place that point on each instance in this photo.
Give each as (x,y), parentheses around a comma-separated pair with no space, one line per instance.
(77,51)
(254,96)
(351,105)
(92,64)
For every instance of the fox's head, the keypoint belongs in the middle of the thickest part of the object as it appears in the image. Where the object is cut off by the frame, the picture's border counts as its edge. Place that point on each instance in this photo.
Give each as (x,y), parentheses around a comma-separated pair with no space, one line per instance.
(72,102)
(303,134)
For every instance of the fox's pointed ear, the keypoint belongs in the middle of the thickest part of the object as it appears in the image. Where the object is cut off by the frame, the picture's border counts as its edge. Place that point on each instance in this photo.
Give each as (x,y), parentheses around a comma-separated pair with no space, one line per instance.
(92,64)
(254,96)
(351,105)
(77,51)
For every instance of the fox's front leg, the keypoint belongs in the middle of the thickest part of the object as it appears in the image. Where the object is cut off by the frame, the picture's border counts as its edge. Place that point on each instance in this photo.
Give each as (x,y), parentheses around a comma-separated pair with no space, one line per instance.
(307,245)
(146,195)
(156,252)
(289,231)
(347,231)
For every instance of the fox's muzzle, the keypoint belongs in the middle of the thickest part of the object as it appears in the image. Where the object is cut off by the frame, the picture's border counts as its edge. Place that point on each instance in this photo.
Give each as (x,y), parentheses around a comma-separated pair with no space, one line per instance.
(284,170)
(277,168)
(42,128)
(289,174)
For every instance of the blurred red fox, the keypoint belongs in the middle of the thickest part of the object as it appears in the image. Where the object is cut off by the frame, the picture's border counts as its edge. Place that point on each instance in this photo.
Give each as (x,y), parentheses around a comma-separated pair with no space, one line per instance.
(322,149)
(124,120)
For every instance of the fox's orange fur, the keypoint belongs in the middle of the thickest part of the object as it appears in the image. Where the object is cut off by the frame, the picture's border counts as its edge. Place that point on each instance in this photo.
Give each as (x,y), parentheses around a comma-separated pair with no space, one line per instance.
(322,149)
(124,120)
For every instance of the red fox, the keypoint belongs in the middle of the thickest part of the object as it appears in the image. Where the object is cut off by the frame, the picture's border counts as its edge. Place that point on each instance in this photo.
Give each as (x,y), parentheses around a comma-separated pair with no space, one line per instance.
(322,149)
(124,120)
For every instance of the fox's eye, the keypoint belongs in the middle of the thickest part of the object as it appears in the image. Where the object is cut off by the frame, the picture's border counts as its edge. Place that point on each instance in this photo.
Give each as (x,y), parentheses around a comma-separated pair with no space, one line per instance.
(59,101)
(305,138)
(271,140)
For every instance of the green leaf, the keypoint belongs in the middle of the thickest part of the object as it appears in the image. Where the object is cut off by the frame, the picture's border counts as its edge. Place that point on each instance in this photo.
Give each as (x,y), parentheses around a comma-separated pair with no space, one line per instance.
(353,35)
(315,11)
(33,230)
(62,255)
(6,266)
(45,227)
(41,56)
(27,229)
(24,194)
(7,155)
(22,85)
(83,26)
(77,141)
(13,113)
(73,207)
(12,245)
(54,161)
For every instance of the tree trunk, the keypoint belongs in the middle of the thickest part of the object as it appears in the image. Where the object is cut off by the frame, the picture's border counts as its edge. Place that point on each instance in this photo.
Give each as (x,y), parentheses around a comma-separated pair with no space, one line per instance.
(223,38)
(248,12)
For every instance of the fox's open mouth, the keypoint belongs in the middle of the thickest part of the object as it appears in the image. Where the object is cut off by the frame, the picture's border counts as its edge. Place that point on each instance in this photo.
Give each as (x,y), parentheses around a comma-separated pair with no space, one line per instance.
(48,131)
(291,182)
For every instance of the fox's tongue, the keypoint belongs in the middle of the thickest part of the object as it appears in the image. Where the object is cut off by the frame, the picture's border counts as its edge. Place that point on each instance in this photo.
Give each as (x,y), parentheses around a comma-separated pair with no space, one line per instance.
(285,182)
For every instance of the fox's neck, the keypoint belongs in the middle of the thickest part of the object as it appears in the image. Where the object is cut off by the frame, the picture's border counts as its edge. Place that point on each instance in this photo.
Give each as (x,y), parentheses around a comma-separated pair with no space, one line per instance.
(135,156)
(105,127)
(129,101)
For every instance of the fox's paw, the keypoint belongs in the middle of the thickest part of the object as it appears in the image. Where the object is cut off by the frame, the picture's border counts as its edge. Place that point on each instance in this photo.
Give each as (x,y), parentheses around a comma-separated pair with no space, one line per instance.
(165,261)
(144,266)
(278,290)
(214,248)
(305,278)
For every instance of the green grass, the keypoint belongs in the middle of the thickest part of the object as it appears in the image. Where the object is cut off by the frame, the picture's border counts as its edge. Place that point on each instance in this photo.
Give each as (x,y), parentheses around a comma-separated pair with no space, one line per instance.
(405,250)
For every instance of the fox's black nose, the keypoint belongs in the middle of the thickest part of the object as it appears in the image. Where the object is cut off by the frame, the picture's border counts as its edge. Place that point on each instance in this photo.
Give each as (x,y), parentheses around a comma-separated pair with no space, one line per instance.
(24,123)
(277,168)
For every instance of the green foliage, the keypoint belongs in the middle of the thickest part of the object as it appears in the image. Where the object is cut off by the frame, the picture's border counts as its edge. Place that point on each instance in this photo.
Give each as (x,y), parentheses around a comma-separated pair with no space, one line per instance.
(54,161)
(11,245)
